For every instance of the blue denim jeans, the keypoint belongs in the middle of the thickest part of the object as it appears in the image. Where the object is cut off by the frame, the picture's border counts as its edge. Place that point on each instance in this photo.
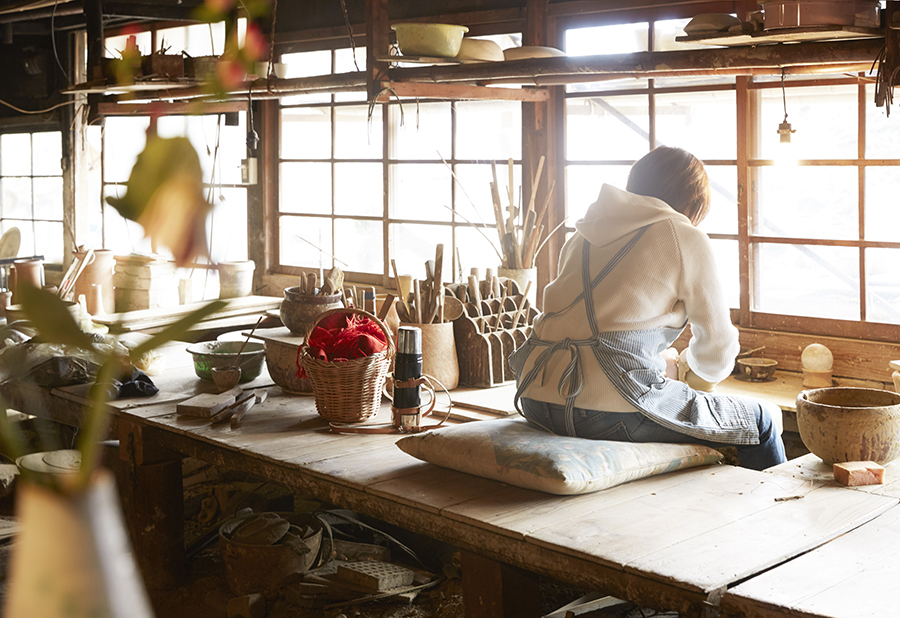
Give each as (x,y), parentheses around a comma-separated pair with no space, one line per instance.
(635,427)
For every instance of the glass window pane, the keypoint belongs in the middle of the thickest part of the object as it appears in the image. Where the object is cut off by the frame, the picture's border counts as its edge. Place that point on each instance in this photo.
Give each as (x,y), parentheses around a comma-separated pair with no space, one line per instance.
(488,130)
(358,189)
(15,198)
(425,134)
(307,64)
(359,245)
(882,214)
(476,250)
(49,241)
(306,133)
(824,118)
(607,128)
(227,227)
(821,282)
(26,229)
(723,212)
(344,63)
(473,191)
(807,202)
(882,286)
(413,244)
(882,132)
(421,192)
(123,139)
(47,154)
(703,123)
(305,188)
(617,39)
(727,253)
(121,235)
(354,136)
(15,154)
(48,198)
(583,184)
(306,242)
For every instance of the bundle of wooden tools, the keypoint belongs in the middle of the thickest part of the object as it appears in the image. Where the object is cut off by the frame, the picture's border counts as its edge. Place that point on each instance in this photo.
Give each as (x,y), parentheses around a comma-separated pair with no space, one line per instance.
(520,229)
(423,301)
(325,285)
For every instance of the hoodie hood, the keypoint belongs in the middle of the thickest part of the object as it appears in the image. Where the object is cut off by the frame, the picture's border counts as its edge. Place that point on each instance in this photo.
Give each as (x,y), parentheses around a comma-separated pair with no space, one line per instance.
(617,213)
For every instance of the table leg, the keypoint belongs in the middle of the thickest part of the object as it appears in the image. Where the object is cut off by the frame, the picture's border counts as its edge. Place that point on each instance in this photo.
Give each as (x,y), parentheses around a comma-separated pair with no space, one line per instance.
(493,589)
(150,487)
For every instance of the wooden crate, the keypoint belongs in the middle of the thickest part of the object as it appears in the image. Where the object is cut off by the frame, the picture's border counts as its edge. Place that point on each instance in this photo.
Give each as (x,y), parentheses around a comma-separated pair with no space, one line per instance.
(485,339)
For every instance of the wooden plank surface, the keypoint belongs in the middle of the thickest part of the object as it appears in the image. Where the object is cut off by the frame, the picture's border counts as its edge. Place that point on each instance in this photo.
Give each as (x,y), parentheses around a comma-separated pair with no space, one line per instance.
(718,508)
(497,400)
(853,576)
(812,469)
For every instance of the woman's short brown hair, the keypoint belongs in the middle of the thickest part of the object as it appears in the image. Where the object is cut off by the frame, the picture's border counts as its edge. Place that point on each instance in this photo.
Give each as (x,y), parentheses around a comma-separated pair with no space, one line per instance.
(676,177)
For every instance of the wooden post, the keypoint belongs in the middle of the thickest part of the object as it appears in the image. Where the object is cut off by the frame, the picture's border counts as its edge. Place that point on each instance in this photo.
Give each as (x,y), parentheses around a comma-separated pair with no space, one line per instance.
(377,43)
(537,141)
(150,487)
(493,589)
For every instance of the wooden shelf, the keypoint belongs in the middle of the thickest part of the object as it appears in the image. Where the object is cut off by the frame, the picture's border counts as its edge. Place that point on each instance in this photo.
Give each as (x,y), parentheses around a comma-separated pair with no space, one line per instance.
(783,35)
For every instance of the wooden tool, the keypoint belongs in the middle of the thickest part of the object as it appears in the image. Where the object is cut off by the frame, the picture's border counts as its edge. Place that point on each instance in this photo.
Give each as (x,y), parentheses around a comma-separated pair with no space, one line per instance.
(475,297)
(225,413)
(523,301)
(207,405)
(240,409)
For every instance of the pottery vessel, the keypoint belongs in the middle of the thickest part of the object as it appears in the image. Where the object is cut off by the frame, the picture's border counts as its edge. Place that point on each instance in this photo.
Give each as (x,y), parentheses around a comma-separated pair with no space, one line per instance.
(235,278)
(99,271)
(298,311)
(757,369)
(281,361)
(843,424)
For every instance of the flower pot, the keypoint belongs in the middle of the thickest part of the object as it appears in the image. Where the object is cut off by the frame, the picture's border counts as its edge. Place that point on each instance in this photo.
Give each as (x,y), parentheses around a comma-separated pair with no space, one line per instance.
(298,311)
(73,556)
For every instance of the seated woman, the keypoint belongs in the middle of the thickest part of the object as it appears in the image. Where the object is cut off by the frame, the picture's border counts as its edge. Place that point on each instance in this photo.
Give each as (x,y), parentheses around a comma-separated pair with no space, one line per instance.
(634,273)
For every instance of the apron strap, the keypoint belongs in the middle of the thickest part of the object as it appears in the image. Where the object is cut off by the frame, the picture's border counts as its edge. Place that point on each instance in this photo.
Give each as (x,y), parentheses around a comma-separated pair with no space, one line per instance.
(571,381)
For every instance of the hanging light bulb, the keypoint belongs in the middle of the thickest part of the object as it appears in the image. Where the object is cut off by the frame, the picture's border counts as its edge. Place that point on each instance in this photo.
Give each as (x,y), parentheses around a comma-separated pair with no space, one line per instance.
(785,153)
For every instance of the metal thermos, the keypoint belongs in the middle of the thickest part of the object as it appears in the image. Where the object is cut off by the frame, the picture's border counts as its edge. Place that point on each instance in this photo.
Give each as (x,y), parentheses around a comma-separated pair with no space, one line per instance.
(408,365)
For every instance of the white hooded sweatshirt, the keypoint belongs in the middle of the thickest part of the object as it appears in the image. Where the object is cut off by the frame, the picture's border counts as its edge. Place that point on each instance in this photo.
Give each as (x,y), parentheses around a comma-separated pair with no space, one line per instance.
(667,279)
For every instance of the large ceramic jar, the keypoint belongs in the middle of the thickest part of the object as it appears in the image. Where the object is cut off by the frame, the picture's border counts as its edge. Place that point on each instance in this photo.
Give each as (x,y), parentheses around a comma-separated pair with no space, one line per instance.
(298,311)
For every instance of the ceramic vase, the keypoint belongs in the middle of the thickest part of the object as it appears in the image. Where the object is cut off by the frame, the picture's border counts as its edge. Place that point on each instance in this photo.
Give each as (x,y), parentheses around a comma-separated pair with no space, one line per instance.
(99,271)
(73,556)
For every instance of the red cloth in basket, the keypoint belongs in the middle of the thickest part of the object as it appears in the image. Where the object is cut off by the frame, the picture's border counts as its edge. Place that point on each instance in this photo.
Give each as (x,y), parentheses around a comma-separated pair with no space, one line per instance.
(344,336)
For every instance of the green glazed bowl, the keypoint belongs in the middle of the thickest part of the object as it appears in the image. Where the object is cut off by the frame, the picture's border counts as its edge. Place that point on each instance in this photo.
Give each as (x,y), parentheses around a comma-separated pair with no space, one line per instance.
(211,354)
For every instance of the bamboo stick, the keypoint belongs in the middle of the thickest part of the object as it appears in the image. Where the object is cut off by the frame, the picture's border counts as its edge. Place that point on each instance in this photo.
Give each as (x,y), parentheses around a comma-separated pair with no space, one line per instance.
(535,238)
(535,184)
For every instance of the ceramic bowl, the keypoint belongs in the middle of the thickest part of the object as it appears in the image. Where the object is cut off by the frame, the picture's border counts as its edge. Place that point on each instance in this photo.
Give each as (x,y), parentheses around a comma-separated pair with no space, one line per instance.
(479,50)
(757,368)
(840,424)
(211,354)
(437,40)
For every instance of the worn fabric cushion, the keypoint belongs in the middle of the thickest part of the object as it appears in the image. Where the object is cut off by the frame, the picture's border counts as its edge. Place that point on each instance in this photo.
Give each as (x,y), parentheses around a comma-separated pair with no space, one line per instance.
(512,451)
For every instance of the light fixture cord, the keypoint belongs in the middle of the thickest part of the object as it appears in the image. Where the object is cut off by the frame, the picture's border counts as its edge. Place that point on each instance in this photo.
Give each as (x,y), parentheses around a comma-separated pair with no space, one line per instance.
(784,95)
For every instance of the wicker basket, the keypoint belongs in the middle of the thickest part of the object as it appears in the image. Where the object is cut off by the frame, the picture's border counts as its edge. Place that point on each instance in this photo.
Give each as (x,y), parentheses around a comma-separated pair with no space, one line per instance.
(348,391)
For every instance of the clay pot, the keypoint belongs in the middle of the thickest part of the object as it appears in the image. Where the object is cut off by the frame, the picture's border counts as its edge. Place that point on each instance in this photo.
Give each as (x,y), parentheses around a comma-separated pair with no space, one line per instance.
(281,361)
(25,272)
(757,369)
(98,272)
(843,424)
(298,311)
(236,279)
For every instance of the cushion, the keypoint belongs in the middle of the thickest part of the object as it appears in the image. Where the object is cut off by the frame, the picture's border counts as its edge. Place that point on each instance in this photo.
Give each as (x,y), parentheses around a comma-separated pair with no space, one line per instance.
(515,452)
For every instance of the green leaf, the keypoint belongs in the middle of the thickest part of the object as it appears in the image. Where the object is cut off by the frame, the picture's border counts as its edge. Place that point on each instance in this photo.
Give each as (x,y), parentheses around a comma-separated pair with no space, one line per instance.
(51,317)
(175,331)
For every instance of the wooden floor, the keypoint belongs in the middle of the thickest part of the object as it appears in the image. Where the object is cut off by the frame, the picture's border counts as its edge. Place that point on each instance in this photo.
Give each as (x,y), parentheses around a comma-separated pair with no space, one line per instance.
(682,541)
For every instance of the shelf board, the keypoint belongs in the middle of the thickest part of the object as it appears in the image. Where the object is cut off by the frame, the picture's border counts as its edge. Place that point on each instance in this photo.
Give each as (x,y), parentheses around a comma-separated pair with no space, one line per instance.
(782,35)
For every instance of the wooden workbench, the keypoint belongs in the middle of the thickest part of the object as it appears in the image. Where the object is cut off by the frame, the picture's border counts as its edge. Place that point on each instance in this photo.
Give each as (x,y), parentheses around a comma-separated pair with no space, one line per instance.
(677,541)
(851,577)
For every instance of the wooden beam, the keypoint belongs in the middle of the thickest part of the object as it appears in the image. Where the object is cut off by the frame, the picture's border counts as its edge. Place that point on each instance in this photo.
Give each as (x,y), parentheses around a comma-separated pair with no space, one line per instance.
(377,45)
(493,589)
(460,91)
